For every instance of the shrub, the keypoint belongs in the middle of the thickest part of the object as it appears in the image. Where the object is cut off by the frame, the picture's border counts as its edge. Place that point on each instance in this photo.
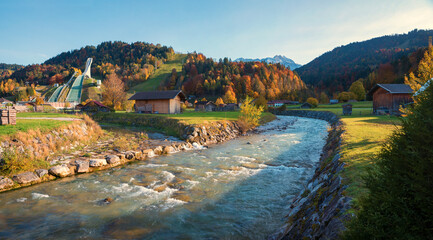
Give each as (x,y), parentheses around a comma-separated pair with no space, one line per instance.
(346,96)
(313,101)
(399,205)
(249,115)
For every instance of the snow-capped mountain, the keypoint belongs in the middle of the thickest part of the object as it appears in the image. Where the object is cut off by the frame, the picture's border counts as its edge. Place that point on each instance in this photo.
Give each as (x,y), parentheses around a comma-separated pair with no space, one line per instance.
(276,59)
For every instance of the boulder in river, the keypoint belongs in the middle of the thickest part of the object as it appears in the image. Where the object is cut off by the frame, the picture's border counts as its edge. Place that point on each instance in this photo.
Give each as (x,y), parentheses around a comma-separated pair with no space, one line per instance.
(60,171)
(149,153)
(168,150)
(113,160)
(5,183)
(129,155)
(82,166)
(41,172)
(97,162)
(26,178)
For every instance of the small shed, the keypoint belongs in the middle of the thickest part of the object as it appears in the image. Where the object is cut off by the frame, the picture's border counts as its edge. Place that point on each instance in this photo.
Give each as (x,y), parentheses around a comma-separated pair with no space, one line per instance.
(207,106)
(159,101)
(94,106)
(4,102)
(387,98)
(306,105)
(333,101)
(347,109)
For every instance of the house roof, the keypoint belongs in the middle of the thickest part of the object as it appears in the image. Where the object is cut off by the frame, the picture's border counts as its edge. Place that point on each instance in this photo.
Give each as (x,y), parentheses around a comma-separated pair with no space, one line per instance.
(4,100)
(95,102)
(157,95)
(392,88)
(204,103)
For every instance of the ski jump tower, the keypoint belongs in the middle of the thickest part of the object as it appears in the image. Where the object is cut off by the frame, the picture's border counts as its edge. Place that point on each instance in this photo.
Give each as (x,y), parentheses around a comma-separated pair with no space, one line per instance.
(86,72)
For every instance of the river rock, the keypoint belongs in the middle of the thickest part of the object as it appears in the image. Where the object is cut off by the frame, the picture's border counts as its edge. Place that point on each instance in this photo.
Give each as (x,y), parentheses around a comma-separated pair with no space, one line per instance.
(149,153)
(60,171)
(158,150)
(113,160)
(41,172)
(97,162)
(5,183)
(82,166)
(168,150)
(26,178)
(129,155)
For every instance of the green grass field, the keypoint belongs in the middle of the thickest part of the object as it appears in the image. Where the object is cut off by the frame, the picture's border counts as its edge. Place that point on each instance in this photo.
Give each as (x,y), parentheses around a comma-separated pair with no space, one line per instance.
(192,117)
(160,75)
(90,91)
(362,139)
(46,115)
(358,108)
(24,125)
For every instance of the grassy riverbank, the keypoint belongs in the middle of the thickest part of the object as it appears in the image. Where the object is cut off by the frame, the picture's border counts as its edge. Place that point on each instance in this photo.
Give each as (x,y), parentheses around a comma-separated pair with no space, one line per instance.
(362,139)
(24,125)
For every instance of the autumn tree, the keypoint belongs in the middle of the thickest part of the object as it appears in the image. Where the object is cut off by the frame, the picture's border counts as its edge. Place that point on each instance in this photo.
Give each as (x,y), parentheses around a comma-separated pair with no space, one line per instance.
(323,98)
(230,96)
(314,102)
(113,92)
(346,96)
(424,72)
(358,90)
(219,101)
(249,115)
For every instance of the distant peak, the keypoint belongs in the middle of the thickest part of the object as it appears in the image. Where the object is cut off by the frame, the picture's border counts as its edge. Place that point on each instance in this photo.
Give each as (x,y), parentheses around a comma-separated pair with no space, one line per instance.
(276,59)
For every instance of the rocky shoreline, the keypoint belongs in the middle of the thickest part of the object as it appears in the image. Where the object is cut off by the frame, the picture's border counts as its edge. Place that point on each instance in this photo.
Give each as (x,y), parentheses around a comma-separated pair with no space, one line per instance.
(196,136)
(320,210)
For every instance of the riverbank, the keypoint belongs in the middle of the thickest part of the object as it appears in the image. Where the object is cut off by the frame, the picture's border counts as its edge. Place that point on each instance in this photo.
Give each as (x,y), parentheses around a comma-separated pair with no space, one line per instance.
(320,210)
(195,136)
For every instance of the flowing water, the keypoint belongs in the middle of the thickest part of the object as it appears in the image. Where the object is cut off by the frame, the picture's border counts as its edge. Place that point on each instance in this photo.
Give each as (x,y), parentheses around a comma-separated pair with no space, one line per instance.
(240,189)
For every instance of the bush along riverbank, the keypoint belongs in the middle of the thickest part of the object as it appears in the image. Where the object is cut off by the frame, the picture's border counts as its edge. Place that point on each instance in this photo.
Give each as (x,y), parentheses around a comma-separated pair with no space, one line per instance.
(196,136)
(320,210)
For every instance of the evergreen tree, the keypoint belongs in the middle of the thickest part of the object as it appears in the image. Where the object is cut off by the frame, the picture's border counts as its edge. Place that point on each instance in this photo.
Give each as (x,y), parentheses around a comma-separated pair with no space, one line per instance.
(399,205)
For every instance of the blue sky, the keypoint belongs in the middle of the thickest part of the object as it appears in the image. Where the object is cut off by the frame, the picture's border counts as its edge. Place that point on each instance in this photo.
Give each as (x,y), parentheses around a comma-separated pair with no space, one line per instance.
(33,31)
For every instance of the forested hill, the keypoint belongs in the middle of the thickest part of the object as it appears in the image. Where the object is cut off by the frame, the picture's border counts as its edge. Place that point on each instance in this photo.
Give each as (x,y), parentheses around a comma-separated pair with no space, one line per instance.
(134,62)
(202,76)
(337,69)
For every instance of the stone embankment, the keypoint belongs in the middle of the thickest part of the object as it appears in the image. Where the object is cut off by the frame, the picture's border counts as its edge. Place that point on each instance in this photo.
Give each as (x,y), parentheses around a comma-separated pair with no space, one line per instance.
(320,210)
(196,136)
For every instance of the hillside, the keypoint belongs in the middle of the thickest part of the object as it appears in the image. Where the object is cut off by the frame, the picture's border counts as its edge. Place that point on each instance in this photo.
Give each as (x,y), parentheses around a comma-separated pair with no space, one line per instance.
(283,60)
(202,77)
(337,69)
(160,74)
(135,62)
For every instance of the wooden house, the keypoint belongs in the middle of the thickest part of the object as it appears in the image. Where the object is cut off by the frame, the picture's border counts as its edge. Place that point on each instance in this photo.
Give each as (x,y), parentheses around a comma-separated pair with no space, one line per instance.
(4,102)
(94,106)
(159,101)
(306,105)
(207,106)
(387,98)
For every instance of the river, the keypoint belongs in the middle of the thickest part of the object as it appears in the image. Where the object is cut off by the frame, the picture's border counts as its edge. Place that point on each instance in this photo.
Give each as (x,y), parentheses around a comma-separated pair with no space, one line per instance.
(240,189)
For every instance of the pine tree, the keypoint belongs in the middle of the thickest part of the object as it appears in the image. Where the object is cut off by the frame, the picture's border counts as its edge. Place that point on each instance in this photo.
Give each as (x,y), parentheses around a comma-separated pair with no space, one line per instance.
(399,205)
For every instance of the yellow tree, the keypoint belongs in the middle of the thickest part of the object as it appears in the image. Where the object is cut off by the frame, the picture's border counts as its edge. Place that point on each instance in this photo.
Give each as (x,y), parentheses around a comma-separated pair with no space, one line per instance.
(113,92)
(249,115)
(219,101)
(424,73)
(230,96)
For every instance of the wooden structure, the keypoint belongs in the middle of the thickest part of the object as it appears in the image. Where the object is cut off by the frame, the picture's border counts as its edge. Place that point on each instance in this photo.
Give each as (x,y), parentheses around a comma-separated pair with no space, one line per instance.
(306,105)
(207,106)
(94,106)
(159,101)
(8,116)
(387,98)
(4,102)
(347,109)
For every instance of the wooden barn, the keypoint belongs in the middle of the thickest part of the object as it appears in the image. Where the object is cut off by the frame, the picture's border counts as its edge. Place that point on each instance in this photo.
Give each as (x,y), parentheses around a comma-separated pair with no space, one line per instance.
(207,106)
(387,98)
(94,106)
(159,101)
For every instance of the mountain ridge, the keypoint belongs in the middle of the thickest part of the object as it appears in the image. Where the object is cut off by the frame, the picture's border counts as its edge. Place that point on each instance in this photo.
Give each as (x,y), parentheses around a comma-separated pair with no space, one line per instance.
(276,59)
